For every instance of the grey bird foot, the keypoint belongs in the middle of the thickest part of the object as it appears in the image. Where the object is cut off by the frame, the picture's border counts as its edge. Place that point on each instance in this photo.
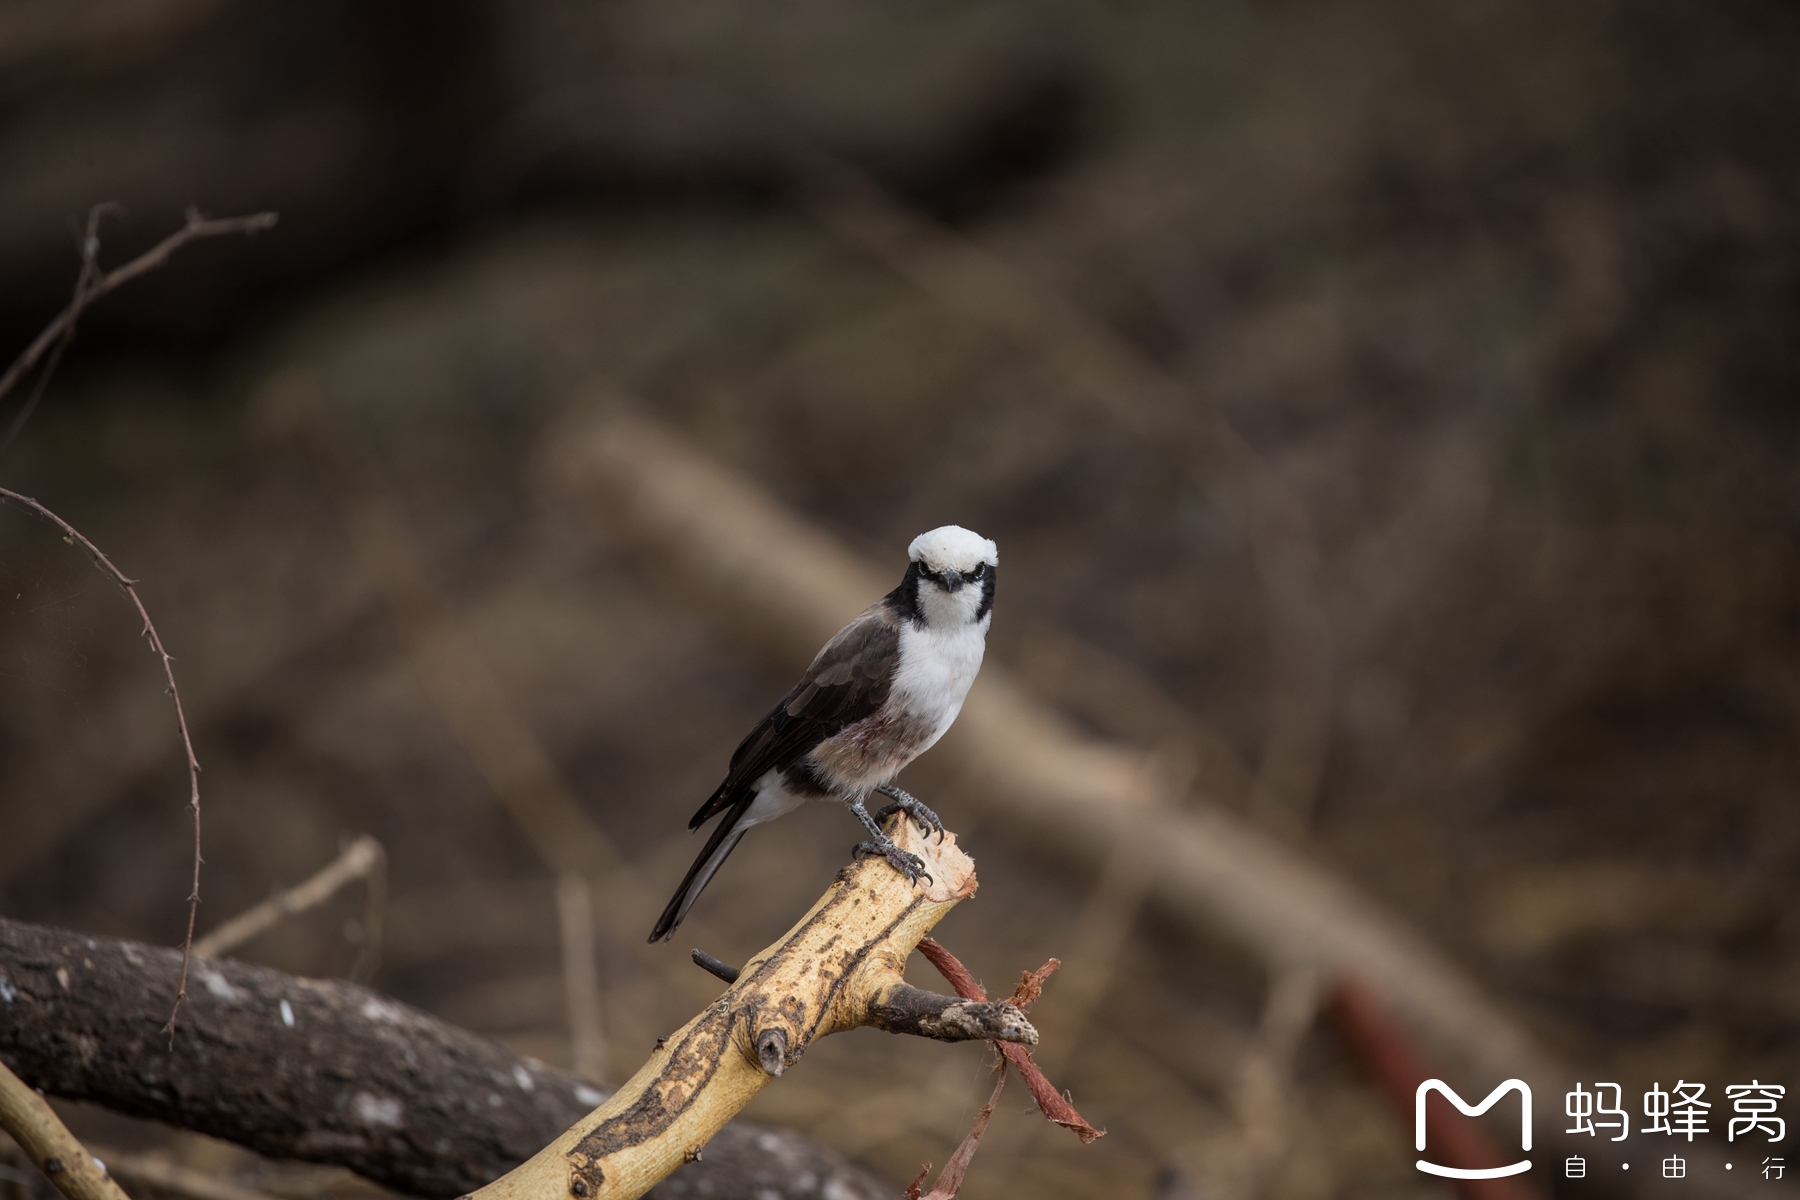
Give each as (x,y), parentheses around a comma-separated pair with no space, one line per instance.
(905,862)
(912,806)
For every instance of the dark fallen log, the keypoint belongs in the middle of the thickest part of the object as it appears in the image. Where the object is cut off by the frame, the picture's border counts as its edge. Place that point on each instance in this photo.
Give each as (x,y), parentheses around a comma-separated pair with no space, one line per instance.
(327,1072)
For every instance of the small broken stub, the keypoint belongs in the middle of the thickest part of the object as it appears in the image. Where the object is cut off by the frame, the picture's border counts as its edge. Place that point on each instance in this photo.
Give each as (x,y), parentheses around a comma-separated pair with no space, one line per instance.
(586,1181)
(771,1050)
(692,1155)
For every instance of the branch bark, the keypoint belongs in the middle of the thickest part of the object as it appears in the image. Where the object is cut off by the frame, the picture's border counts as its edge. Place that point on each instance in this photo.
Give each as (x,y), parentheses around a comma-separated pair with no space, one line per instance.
(837,969)
(357,1080)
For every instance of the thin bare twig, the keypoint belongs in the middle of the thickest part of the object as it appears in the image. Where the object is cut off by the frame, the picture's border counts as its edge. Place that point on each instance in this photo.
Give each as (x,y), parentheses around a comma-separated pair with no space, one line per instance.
(75,536)
(950,1179)
(581,975)
(374,919)
(1246,1152)
(361,859)
(54,338)
(84,278)
(1127,877)
(91,286)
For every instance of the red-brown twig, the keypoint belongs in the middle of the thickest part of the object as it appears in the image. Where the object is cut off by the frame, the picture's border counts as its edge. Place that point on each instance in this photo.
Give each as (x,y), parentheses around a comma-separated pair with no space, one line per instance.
(950,1179)
(89,289)
(71,534)
(1052,1103)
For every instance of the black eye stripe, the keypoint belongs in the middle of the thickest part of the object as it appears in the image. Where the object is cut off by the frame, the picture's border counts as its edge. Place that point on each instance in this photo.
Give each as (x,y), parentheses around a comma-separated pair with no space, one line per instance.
(978,571)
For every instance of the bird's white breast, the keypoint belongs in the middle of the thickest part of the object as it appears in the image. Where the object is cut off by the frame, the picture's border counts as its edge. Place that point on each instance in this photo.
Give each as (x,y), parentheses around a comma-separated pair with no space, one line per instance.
(937,665)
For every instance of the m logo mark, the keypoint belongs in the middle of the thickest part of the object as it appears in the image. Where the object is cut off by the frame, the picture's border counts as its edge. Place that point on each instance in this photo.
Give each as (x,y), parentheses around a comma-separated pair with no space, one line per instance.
(1467,1110)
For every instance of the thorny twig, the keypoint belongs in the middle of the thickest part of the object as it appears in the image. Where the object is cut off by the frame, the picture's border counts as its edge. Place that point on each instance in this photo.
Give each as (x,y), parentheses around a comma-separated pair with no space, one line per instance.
(53,339)
(73,535)
(63,327)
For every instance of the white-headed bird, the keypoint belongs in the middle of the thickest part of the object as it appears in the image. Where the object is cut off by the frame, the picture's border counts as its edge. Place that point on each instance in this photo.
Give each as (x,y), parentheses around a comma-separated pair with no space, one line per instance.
(879,694)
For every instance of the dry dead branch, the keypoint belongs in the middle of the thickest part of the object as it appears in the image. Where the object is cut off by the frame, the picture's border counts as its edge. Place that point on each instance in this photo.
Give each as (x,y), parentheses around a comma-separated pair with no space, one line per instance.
(361,859)
(84,279)
(47,1141)
(63,326)
(840,967)
(357,1080)
(581,975)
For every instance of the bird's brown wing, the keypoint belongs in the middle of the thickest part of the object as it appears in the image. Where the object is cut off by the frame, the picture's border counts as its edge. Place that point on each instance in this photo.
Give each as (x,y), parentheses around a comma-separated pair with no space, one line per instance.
(848,681)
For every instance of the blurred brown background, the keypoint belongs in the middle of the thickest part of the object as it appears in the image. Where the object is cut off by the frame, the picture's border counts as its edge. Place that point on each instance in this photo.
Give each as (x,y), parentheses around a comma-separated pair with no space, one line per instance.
(1504,295)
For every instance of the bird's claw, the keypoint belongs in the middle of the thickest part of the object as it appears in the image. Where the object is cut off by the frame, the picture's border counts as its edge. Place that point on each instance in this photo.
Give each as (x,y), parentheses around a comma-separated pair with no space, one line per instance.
(913,807)
(903,861)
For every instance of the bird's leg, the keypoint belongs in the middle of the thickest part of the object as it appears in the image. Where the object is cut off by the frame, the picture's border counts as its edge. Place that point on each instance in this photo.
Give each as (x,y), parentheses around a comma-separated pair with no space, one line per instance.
(912,806)
(903,861)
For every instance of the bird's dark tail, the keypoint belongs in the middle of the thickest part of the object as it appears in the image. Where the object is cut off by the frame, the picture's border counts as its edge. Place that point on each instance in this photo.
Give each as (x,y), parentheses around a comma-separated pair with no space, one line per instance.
(725,837)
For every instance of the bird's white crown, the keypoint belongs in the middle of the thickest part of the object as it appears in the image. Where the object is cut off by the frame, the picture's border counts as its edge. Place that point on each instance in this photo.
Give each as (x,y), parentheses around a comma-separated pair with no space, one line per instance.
(953,548)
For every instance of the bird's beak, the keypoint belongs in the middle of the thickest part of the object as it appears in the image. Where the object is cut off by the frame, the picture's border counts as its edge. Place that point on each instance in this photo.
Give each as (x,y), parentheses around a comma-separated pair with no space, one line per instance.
(950,580)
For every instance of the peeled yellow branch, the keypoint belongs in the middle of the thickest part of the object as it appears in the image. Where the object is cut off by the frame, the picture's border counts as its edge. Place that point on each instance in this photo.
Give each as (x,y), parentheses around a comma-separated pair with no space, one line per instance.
(839,968)
(48,1143)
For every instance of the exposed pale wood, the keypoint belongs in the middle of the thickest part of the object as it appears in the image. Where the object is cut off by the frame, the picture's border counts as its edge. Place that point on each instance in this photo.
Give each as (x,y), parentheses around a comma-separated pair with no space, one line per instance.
(47,1141)
(838,968)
